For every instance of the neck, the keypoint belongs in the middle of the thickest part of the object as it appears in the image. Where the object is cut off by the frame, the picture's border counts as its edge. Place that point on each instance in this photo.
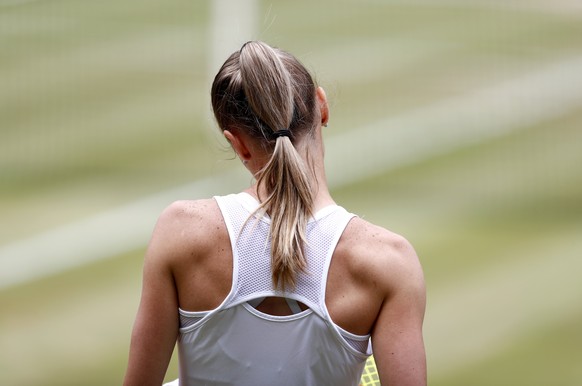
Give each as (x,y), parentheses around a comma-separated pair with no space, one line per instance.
(322,198)
(319,181)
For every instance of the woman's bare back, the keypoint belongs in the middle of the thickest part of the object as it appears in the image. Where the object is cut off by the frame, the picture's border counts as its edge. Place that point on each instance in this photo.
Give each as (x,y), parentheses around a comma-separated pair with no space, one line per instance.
(357,282)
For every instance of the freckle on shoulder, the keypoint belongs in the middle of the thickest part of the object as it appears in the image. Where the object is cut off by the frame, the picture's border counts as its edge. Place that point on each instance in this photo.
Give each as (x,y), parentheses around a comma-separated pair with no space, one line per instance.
(187,211)
(376,236)
(189,207)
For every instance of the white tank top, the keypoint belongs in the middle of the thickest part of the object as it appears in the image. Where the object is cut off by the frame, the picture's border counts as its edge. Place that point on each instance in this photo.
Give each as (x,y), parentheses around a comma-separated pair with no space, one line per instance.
(235,344)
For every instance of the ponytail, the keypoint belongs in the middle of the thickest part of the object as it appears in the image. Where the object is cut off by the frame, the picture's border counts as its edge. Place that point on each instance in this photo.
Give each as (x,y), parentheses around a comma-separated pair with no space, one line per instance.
(289,203)
(272,96)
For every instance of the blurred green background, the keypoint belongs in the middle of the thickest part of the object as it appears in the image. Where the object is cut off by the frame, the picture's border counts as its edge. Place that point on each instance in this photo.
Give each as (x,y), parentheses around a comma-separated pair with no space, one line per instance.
(454,123)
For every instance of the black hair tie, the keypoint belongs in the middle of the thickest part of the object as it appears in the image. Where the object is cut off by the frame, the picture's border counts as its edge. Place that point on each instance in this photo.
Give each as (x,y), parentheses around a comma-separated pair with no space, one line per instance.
(282,133)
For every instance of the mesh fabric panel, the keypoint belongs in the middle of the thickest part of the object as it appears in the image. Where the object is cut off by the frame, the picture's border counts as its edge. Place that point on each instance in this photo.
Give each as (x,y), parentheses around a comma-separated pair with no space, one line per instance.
(252,252)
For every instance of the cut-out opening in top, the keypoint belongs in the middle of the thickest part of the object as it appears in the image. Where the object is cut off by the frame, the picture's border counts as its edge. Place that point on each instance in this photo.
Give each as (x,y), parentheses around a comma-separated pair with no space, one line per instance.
(277,306)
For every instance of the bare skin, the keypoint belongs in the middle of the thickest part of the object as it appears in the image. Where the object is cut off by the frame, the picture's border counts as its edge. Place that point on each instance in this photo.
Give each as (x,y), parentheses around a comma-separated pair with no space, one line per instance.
(375,283)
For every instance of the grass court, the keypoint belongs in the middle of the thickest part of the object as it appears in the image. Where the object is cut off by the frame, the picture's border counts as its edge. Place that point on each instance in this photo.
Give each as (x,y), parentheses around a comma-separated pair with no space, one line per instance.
(105,103)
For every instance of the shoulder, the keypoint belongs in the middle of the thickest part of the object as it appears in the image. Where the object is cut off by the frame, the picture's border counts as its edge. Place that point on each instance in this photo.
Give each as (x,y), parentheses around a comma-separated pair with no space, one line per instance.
(189,211)
(385,259)
(186,225)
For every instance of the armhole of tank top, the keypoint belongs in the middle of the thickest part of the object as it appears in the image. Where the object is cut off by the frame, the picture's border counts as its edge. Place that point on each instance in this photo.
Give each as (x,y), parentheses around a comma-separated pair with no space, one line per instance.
(343,223)
(358,344)
(190,320)
(232,235)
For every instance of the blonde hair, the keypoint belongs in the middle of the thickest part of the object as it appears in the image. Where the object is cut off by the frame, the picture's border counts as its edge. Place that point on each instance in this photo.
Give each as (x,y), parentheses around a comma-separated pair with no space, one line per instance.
(262,90)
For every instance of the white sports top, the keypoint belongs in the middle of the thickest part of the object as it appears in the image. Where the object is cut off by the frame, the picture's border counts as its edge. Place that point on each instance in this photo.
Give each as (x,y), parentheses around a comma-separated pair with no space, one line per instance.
(235,344)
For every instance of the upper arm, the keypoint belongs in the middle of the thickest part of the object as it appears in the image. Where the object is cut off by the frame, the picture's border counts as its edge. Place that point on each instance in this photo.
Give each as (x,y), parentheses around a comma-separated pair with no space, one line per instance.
(156,325)
(397,334)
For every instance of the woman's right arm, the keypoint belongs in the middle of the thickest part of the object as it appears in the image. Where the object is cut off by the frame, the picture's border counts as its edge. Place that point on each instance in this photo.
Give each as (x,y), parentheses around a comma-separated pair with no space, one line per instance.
(397,338)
